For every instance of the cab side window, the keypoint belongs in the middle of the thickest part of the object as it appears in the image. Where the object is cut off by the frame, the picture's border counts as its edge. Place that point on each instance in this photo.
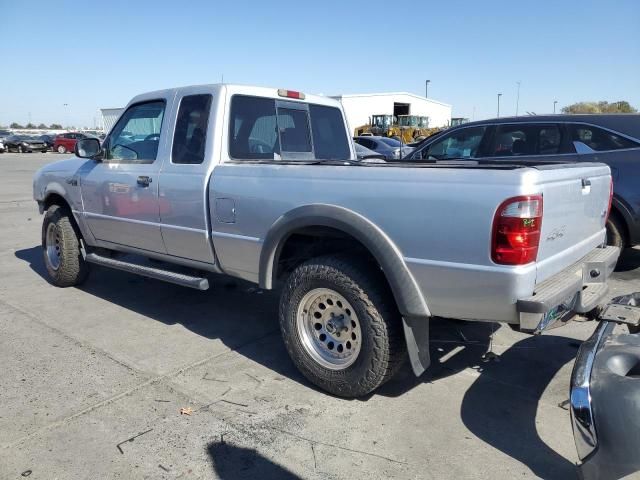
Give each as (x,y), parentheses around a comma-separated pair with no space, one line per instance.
(463,143)
(599,139)
(190,135)
(136,136)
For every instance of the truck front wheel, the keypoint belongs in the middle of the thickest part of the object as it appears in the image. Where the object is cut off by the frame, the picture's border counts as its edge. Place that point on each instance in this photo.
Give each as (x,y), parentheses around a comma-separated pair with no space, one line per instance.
(61,249)
(341,326)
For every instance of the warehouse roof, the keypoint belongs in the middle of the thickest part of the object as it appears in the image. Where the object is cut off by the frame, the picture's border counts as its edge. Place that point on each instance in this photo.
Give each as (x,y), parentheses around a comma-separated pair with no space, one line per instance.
(389,94)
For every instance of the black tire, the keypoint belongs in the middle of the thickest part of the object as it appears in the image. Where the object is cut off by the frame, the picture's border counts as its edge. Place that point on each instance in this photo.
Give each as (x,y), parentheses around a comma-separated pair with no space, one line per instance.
(615,233)
(382,348)
(20,149)
(72,268)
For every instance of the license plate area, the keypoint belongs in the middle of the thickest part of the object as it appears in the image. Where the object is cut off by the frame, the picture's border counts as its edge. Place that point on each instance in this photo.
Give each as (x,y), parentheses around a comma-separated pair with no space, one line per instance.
(559,314)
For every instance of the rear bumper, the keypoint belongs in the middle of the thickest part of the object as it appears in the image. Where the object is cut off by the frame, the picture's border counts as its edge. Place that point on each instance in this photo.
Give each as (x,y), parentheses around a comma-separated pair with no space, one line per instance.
(577,289)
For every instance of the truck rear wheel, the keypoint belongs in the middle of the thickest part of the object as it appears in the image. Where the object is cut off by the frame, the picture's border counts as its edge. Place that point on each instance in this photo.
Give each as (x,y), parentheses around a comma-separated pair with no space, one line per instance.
(341,326)
(61,249)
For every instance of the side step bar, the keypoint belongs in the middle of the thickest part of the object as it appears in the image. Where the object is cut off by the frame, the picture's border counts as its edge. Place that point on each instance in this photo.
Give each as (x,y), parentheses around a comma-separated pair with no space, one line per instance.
(198,283)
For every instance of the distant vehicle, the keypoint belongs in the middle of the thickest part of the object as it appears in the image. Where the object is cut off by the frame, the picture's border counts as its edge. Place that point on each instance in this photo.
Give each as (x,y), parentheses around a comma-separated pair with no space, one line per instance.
(66,142)
(94,133)
(410,127)
(610,139)
(363,153)
(387,147)
(24,144)
(3,136)
(605,396)
(49,140)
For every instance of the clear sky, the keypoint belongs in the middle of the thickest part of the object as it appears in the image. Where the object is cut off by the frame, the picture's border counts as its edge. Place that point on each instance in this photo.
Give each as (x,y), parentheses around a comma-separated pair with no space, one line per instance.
(100,54)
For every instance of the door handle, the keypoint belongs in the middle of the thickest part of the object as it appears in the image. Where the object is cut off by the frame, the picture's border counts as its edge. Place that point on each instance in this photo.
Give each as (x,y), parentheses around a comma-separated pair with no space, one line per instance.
(144,180)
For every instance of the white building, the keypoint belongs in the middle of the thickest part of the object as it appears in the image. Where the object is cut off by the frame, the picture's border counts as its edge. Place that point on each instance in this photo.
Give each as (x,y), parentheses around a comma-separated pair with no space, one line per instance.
(110,116)
(360,107)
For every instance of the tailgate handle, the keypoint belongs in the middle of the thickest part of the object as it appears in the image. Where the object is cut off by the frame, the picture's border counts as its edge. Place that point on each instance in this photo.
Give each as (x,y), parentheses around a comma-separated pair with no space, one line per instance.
(586,183)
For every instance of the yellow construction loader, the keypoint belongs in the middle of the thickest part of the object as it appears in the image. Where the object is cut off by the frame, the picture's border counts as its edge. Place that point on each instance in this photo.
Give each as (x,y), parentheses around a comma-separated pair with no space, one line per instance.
(378,125)
(407,128)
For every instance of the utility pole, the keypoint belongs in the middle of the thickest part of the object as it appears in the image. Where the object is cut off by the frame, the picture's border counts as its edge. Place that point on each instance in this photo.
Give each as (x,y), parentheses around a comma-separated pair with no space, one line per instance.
(554,106)
(426,88)
(499,95)
(518,97)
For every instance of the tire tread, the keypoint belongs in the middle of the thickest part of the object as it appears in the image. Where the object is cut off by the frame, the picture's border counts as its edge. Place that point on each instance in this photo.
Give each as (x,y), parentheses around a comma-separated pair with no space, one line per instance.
(367,284)
(73,270)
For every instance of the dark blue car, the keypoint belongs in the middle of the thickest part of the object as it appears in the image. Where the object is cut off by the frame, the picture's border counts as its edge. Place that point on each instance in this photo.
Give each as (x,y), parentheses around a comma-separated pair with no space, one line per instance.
(611,139)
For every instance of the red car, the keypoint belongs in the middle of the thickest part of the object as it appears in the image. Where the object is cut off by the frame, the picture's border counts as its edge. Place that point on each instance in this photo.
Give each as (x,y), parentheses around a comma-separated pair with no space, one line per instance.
(66,142)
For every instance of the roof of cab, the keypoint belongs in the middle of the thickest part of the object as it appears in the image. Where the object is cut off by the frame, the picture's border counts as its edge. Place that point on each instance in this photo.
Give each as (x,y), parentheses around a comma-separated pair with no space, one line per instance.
(233,89)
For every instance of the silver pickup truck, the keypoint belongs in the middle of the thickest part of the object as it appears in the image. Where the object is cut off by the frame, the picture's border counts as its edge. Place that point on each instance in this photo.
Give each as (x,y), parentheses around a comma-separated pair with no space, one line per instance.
(264,185)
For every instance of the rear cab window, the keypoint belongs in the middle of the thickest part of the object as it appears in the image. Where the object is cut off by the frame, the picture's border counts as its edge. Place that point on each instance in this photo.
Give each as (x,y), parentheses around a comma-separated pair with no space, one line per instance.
(269,129)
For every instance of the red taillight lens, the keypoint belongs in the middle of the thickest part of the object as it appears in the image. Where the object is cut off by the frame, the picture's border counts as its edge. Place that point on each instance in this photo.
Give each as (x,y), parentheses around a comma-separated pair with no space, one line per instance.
(516,230)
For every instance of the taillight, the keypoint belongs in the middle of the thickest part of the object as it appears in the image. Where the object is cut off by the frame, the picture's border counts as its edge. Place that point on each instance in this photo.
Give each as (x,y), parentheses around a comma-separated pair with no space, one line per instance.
(610,198)
(516,230)
(290,94)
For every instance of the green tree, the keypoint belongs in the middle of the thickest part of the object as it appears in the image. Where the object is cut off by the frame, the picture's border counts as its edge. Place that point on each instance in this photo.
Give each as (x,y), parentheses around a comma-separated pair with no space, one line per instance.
(55,126)
(15,125)
(600,107)
(30,125)
(42,126)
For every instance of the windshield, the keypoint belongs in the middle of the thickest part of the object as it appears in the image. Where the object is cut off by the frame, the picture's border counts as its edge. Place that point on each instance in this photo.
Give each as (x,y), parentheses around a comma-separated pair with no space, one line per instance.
(391,142)
(408,121)
(382,120)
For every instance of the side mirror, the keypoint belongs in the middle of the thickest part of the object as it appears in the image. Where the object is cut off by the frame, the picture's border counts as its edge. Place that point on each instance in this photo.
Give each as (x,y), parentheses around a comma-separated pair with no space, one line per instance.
(88,148)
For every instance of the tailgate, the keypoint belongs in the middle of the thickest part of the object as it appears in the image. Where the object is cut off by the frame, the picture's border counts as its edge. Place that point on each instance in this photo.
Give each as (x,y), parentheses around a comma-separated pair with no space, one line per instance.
(575,207)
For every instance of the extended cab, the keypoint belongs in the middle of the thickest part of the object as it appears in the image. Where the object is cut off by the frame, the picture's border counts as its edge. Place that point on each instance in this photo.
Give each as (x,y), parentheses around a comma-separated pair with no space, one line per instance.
(264,185)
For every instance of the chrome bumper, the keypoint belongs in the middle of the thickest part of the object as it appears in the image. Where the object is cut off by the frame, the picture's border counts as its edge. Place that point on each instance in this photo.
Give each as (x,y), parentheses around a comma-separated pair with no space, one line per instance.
(577,289)
(584,430)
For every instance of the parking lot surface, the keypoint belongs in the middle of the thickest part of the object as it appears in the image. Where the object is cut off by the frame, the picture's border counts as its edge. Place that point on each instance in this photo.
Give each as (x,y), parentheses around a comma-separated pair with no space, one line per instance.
(93,381)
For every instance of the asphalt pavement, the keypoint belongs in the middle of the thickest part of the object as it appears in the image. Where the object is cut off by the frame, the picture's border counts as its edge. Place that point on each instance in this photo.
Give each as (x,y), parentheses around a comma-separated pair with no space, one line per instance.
(94,379)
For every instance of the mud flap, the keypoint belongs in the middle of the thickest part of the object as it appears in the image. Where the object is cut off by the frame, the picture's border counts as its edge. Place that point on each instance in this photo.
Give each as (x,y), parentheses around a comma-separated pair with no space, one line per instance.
(416,334)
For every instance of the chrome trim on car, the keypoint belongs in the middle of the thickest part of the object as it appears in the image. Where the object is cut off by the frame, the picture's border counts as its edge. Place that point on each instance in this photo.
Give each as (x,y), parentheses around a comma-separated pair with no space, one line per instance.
(584,430)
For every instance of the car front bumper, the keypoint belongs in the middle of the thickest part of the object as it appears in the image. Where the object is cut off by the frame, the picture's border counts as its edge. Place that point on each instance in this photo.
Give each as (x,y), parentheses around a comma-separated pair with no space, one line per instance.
(578,289)
(605,396)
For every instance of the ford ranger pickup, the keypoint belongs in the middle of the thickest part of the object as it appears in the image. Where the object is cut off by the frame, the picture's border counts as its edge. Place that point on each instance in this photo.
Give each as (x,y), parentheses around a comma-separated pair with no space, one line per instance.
(265,185)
